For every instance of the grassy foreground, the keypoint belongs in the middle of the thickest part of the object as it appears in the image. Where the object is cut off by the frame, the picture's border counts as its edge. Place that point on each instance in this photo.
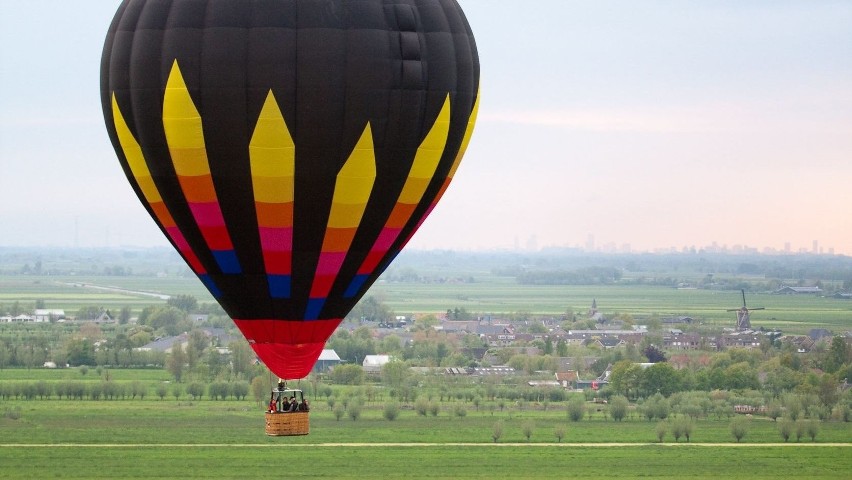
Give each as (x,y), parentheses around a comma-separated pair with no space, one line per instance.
(415,462)
(225,439)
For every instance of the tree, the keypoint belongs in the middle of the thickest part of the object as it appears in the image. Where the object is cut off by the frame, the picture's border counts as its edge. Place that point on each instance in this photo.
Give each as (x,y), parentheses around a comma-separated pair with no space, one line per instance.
(177,390)
(162,390)
(167,318)
(395,373)
(89,312)
(497,431)
(197,342)
(618,405)
(562,348)
(186,303)
(785,428)
(259,389)
(660,431)
(739,427)
(741,376)
(426,322)
(354,410)
(812,428)
(241,357)
(338,411)
(391,411)
(348,374)
(838,355)
(654,354)
(124,315)
(527,429)
(196,390)
(576,408)
(79,351)
(660,378)
(370,309)
(559,431)
(176,361)
(625,377)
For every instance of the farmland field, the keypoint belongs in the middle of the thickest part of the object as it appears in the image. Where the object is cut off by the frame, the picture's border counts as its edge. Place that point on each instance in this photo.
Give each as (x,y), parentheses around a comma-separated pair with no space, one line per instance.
(487,295)
(224,439)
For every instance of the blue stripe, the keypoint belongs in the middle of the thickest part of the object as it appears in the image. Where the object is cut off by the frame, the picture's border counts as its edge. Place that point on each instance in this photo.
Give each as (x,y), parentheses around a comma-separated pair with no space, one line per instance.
(279,286)
(211,286)
(227,260)
(314,308)
(355,286)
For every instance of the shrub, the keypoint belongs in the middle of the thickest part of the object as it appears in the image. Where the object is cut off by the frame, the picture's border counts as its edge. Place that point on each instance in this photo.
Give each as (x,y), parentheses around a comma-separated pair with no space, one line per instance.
(240,390)
(576,409)
(528,428)
(682,427)
(559,431)
(339,410)
(785,428)
(618,407)
(391,411)
(354,410)
(434,408)
(196,390)
(800,429)
(661,431)
(497,431)
(162,390)
(739,427)
(177,390)
(460,411)
(812,429)
(421,406)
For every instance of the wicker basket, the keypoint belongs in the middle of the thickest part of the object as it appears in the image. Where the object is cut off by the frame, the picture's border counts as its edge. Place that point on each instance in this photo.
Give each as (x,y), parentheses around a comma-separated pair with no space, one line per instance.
(290,423)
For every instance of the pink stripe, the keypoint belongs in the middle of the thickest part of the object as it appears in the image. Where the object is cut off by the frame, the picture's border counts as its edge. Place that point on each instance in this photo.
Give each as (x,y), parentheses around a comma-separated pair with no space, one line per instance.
(330,263)
(183,247)
(386,239)
(178,238)
(207,214)
(276,239)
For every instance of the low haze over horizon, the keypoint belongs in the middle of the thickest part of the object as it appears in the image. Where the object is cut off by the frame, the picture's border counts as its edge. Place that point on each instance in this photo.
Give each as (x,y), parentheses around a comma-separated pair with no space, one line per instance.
(610,126)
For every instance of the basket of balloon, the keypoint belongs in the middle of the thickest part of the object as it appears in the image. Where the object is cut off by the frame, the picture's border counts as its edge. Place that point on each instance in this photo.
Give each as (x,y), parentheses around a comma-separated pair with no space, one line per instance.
(288,413)
(287,423)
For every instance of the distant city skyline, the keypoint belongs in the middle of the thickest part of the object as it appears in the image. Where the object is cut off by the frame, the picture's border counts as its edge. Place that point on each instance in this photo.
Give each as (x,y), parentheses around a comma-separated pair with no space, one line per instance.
(651,125)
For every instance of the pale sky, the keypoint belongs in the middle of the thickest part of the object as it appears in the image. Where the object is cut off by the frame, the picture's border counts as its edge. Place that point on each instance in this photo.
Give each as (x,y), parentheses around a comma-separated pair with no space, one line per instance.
(643,123)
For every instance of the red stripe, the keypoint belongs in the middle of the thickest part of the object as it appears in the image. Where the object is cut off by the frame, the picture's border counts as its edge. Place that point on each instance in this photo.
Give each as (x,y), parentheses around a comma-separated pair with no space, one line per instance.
(289,348)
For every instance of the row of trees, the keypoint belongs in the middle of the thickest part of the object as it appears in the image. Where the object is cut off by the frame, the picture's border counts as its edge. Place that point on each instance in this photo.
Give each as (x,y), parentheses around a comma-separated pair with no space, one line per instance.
(113,390)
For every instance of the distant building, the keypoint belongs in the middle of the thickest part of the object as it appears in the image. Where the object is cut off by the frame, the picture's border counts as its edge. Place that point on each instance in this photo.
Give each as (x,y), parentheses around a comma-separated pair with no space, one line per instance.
(48,314)
(373,363)
(798,290)
(327,360)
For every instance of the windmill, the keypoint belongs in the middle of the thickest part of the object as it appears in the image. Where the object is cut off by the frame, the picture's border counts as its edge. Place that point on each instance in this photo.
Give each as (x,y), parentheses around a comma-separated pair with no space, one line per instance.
(743,322)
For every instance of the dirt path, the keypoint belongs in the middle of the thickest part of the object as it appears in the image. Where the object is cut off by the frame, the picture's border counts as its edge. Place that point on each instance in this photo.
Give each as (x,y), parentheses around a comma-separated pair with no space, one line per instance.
(384,445)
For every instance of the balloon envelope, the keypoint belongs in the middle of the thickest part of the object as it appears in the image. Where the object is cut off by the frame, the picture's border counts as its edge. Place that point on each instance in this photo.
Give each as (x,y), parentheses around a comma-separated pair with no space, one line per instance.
(288,149)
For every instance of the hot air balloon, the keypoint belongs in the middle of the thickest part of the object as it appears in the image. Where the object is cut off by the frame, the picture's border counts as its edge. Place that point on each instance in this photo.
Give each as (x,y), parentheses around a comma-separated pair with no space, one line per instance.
(289,149)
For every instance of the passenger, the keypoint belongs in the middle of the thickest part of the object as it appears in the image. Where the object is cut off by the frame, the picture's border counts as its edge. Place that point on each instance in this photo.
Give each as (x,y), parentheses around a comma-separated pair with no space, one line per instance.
(303,407)
(294,406)
(273,407)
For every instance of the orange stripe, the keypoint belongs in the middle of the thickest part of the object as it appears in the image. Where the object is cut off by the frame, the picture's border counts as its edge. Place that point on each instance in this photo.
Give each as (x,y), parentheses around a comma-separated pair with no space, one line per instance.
(198,189)
(279,215)
(400,215)
(338,239)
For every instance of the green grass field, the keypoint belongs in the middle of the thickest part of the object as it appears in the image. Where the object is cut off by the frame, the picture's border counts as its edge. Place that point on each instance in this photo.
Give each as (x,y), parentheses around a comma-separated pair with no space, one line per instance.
(423,462)
(225,439)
